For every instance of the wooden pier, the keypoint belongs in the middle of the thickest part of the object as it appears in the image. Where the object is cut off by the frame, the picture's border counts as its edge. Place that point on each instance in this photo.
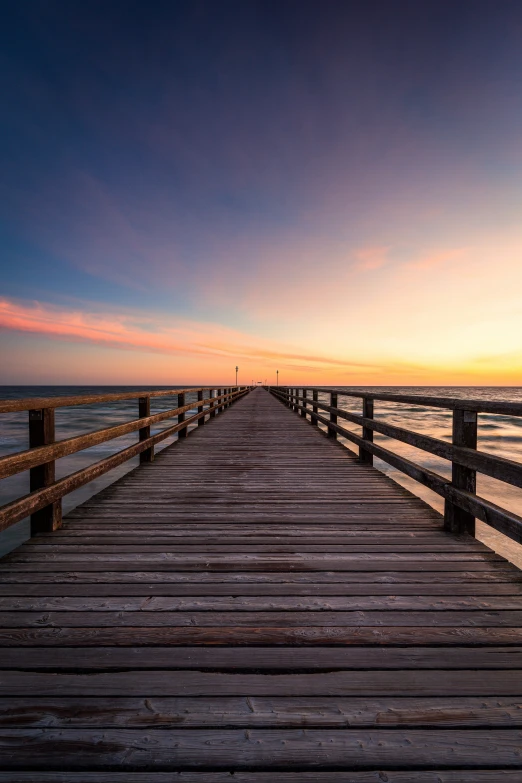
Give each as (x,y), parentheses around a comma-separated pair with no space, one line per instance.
(258,605)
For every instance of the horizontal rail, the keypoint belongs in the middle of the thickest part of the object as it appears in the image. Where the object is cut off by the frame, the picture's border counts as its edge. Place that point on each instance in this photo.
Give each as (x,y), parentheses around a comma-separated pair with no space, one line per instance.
(49,492)
(24,460)
(504,521)
(35,403)
(508,408)
(459,498)
(499,468)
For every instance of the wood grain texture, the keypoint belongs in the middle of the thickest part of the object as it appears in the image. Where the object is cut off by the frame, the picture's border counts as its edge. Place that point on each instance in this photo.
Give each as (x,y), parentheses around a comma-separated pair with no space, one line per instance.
(375,776)
(260,711)
(174,749)
(258,602)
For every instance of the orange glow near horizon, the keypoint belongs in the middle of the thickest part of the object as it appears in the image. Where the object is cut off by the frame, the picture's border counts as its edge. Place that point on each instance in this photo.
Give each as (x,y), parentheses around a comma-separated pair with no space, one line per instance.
(85,346)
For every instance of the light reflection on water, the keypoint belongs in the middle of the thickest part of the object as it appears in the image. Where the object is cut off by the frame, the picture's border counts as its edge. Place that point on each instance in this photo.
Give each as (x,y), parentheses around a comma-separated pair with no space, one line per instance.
(498,434)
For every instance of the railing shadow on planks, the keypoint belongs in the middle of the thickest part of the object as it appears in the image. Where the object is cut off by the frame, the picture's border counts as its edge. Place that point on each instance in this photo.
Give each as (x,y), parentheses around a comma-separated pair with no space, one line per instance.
(462,504)
(44,502)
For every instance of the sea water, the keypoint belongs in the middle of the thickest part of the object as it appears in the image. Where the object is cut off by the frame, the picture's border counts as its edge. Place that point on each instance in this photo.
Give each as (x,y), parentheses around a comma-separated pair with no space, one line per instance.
(498,435)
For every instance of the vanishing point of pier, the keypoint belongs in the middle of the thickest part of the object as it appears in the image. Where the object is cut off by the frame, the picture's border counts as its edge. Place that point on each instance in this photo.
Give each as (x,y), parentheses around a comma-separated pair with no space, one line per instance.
(259,604)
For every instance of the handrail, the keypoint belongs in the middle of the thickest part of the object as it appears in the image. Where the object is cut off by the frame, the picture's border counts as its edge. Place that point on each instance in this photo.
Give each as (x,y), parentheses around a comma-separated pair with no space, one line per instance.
(508,408)
(43,503)
(462,504)
(497,467)
(32,403)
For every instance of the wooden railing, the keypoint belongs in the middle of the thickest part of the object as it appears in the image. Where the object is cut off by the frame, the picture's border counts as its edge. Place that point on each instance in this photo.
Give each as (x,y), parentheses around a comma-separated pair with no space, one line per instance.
(44,502)
(462,504)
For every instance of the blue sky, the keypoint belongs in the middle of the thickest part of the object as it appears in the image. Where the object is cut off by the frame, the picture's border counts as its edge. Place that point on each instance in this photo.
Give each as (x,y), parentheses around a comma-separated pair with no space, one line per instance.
(253,180)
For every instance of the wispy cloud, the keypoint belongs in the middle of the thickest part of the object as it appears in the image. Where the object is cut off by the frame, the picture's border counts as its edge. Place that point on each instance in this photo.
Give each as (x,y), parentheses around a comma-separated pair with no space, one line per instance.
(440,258)
(372,257)
(130,332)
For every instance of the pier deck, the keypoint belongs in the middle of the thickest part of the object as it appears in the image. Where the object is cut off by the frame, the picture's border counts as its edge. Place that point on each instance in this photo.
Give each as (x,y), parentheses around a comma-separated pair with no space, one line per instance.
(257,602)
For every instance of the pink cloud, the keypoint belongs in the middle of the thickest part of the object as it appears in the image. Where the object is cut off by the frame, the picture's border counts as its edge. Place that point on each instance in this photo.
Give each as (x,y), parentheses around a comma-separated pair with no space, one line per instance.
(129,332)
(372,257)
(440,258)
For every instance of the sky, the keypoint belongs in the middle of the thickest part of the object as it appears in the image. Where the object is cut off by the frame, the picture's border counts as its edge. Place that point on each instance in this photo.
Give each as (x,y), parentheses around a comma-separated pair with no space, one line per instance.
(330,189)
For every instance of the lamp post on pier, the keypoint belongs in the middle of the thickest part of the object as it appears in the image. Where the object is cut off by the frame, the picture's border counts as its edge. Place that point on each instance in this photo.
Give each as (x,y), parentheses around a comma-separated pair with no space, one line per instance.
(237,368)
(277,377)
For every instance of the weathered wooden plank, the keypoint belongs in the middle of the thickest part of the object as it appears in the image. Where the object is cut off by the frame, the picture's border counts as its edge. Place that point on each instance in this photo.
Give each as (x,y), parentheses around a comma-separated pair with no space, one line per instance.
(245,561)
(262,563)
(261,711)
(436,682)
(241,776)
(275,589)
(322,619)
(108,529)
(234,603)
(262,748)
(263,658)
(53,636)
(127,575)
(169,547)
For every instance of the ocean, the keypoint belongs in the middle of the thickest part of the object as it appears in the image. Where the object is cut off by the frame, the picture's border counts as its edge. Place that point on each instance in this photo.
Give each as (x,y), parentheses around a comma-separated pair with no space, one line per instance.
(498,435)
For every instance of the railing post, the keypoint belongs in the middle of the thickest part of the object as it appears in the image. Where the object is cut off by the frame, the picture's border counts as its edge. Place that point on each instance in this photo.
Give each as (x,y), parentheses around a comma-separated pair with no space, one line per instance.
(296,395)
(41,433)
(212,406)
(313,418)
(201,421)
(220,403)
(303,412)
(181,416)
(333,418)
(456,519)
(144,432)
(365,456)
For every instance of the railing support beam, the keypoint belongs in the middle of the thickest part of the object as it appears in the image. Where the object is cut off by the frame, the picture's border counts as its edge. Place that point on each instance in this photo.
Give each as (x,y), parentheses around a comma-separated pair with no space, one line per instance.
(41,433)
(181,417)
(144,432)
(333,417)
(200,408)
(366,457)
(314,407)
(456,519)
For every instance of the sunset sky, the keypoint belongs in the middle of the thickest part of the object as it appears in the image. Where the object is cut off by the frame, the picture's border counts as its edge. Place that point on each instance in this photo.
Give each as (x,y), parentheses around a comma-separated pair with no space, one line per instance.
(331,189)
